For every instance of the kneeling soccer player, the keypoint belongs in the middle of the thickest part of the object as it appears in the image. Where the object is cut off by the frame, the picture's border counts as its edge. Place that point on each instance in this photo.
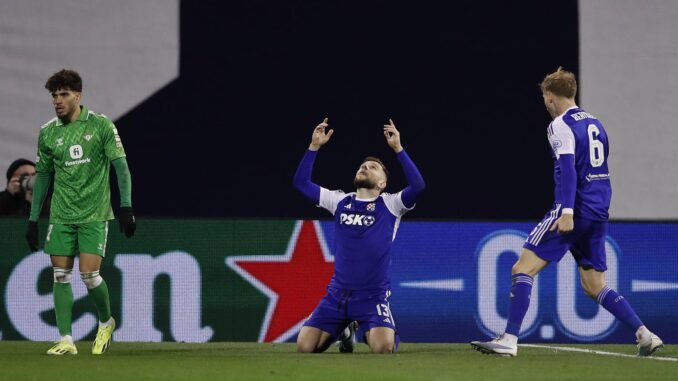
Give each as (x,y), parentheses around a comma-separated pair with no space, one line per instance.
(366,222)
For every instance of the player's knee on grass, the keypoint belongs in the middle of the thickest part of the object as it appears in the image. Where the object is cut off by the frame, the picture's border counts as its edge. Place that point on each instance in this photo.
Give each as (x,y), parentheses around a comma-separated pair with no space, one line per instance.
(306,346)
(381,340)
(312,340)
(382,346)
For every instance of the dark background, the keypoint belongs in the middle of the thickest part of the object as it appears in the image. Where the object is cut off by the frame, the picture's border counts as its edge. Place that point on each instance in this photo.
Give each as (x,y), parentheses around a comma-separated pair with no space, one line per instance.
(458,78)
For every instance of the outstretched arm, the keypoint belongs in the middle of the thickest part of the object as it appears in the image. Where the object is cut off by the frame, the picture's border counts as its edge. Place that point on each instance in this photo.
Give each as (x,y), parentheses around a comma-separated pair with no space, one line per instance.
(302,178)
(416,182)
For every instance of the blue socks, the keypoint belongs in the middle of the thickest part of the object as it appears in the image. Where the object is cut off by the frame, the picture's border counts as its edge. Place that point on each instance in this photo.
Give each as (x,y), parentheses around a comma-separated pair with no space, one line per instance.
(519,302)
(619,307)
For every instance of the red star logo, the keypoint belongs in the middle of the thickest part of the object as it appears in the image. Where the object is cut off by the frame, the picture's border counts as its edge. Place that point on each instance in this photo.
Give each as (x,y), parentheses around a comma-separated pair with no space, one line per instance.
(294,282)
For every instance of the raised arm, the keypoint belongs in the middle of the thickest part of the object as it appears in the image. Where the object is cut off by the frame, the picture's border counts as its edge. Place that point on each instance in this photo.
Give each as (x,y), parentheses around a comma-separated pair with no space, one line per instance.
(416,182)
(302,177)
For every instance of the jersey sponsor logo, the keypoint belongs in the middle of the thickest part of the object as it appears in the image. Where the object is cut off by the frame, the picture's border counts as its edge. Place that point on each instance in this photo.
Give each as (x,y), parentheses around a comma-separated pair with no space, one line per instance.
(75,151)
(356,219)
(603,176)
(76,162)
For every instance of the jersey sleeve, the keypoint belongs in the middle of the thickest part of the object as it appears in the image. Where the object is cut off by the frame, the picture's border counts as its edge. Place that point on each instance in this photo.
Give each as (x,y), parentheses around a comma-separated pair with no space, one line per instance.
(112,143)
(330,199)
(45,159)
(561,138)
(394,203)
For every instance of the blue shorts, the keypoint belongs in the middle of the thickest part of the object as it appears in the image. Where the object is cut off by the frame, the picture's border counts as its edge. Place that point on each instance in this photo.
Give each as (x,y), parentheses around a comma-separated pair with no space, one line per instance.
(586,242)
(338,308)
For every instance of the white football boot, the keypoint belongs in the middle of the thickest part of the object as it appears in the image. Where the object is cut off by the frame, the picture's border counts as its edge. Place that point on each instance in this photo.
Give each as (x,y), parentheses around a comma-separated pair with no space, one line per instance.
(504,345)
(648,342)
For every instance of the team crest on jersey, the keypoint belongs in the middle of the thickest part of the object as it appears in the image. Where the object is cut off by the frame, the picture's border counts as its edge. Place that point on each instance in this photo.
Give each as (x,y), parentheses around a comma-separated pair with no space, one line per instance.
(88,137)
(371,207)
(59,142)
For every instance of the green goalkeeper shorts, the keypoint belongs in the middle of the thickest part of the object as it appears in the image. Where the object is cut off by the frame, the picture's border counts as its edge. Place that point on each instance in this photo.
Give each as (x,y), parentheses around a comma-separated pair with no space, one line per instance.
(72,239)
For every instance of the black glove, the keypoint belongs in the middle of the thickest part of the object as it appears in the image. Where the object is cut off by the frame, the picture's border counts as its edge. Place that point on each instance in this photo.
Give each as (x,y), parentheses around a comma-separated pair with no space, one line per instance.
(127,222)
(32,235)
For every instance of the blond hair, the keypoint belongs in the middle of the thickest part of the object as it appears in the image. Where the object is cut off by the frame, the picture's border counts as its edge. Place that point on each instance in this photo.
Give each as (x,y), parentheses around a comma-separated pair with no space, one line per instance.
(561,83)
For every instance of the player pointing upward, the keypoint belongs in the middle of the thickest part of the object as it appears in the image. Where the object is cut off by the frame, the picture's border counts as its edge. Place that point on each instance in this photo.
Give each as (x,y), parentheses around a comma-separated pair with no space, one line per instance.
(365,223)
(577,222)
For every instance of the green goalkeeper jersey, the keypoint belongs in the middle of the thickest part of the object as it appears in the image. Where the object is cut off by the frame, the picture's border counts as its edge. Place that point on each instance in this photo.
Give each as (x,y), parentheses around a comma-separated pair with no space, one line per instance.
(80,154)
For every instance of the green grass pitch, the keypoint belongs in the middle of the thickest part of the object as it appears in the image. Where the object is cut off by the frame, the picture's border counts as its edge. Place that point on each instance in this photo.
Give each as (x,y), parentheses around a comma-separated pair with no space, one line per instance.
(21,360)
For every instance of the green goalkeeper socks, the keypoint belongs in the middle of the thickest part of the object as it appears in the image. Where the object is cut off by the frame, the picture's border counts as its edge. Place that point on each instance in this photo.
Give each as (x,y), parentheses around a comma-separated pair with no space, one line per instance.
(63,306)
(99,295)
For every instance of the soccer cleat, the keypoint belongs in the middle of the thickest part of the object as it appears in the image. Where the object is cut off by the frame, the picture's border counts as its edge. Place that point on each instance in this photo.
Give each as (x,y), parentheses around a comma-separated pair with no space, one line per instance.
(347,342)
(649,344)
(63,347)
(502,345)
(103,339)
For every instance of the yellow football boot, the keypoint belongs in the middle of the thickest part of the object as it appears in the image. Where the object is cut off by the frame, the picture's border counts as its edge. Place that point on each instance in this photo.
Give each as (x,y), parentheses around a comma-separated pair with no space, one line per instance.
(103,339)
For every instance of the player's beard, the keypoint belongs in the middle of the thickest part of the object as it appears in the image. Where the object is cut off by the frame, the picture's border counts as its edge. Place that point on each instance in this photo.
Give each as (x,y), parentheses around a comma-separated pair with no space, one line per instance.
(363,183)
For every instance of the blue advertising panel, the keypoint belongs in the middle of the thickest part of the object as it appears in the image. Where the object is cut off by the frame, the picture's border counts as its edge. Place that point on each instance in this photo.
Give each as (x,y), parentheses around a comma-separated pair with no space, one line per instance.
(451,281)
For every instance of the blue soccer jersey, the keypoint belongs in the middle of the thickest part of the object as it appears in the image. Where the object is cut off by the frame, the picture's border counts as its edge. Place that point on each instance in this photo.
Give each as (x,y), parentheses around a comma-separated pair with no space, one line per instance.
(580,133)
(364,233)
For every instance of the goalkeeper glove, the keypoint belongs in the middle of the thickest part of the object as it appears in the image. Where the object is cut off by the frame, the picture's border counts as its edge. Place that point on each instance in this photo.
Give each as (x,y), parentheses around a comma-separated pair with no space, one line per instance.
(32,235)
(127,222)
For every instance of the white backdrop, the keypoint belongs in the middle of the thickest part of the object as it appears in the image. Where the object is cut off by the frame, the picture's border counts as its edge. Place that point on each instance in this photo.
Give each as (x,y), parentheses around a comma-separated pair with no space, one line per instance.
(125,50)
(629,79)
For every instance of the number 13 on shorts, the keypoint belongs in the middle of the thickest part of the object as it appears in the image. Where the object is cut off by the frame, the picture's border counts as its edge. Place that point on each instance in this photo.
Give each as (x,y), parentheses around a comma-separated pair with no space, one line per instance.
(384,311)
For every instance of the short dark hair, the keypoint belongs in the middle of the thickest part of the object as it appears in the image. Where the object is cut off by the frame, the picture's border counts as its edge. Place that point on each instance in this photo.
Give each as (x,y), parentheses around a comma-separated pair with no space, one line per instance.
(64,79)
(376,159)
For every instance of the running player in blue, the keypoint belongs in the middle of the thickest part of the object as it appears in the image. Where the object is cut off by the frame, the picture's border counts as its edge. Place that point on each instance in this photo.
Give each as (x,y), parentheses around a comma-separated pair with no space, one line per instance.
(577,222)
(366,222)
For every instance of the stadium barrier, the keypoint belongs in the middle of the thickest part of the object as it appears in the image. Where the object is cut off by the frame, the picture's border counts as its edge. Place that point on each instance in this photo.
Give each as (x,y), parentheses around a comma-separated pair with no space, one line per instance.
(256,280)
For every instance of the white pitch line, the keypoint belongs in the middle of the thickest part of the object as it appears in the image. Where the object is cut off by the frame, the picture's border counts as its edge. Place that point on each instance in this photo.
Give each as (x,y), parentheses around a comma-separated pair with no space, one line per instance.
(595,352)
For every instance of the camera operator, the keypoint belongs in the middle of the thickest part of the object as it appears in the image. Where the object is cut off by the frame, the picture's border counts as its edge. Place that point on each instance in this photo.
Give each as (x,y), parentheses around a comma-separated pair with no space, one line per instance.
(15,200)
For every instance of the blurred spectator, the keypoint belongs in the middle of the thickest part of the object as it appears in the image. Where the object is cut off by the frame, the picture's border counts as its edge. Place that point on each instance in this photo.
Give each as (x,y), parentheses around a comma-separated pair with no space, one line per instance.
(15,200)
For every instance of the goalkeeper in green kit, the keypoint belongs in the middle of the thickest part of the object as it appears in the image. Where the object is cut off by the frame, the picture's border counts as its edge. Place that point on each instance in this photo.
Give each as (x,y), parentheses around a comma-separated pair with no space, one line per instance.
(76,149)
